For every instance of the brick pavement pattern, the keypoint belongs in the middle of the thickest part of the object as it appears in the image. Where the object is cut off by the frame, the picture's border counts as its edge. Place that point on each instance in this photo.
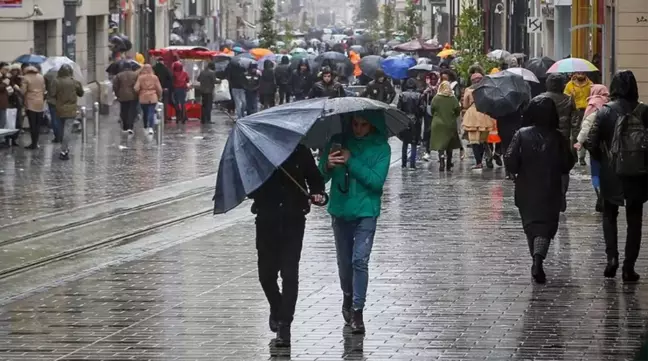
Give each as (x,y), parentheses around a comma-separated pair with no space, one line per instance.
(449,280)
(35,183)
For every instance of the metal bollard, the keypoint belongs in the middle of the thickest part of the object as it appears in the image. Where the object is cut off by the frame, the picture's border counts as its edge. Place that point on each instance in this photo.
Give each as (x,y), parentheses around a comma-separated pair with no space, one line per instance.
(159,113)
(84,128)
(95,111)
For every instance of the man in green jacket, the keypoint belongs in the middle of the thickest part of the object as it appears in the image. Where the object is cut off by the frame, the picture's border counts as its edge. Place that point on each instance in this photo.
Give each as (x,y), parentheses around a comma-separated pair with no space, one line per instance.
(356,162)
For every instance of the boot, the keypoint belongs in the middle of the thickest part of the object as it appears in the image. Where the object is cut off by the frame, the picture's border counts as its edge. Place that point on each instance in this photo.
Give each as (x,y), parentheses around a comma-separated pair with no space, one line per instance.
(357,324)
(346,309)
(272,321)
(629,275)
(442,165)
(537,272)
(498,159)
(611,267)
(489,164)
(283,335)
(449,165)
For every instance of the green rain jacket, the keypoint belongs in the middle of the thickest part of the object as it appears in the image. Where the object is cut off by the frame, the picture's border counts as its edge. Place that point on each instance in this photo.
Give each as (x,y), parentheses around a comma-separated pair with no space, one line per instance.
(367,167)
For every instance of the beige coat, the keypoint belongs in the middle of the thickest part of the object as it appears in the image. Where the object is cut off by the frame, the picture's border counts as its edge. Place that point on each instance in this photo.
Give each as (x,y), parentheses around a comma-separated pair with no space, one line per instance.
(148,86)
(33,89)
(476,125)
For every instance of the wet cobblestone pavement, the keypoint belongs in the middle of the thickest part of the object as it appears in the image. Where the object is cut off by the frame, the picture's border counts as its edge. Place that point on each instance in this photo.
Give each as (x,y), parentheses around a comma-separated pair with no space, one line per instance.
(449,280)
(35,183)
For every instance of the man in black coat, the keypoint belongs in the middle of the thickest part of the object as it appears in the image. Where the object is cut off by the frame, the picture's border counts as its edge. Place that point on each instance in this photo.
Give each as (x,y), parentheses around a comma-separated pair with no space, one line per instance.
(283,77)
(538,158)
(616,191)
(327,87)
(208,81)
(281,207)
(380,88)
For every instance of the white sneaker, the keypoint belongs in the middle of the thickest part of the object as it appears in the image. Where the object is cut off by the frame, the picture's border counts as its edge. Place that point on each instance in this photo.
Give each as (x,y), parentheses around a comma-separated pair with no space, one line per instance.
(150,131)
(426,157)
(130,132)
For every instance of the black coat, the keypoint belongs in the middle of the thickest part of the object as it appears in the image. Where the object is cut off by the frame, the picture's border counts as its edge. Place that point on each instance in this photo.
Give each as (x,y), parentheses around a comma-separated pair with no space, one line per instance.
(327,90)
(268,85)
(565,104)
(614,189)
(411,103)
(539,156)
(301,82)
(383,92)
(280,195)
(283,74)
(164,75)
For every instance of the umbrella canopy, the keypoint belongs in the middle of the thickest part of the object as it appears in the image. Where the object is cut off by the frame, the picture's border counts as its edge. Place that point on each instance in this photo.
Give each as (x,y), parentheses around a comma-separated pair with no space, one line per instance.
(238,49)
(392,53)
(262,61)
(572,65)
(243,60)
(54,64)
(30,59)
(298,52)
(358,49)
(422,68)
(416,45)
(120,43)
(498,55)
(338,62)
(501,94)
(259,53)
(394,42)
(116,67)
(539,66)
(280,44)
(526,74)
(396,67)
(369,64)
(446,53)
(260,143)
(310,59)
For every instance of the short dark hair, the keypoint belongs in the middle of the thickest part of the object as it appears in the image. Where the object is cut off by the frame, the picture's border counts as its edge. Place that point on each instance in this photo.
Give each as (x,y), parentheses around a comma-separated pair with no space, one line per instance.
(3,64)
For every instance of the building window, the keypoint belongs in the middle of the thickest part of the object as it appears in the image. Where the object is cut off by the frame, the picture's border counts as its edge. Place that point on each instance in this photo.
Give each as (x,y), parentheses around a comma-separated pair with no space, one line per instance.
(40,37)
(92,49)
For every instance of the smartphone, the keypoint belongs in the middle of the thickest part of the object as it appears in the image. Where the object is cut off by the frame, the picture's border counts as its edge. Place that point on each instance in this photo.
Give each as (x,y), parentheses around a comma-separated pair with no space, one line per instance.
(336,147)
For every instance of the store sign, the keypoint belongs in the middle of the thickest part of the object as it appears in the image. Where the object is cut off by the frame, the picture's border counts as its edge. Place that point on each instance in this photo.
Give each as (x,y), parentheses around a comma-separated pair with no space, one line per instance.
(11,3)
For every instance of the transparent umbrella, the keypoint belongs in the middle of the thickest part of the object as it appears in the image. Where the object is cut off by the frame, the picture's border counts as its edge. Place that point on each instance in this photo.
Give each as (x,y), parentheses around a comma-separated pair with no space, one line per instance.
(55,63)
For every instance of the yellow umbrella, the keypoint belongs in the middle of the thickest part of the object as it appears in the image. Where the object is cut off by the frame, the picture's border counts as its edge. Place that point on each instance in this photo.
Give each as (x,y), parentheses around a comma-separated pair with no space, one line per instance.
(259,53)
(446,53)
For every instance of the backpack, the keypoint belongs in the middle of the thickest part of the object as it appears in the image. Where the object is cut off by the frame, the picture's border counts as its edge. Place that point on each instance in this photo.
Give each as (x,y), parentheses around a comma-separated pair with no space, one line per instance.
(629,147)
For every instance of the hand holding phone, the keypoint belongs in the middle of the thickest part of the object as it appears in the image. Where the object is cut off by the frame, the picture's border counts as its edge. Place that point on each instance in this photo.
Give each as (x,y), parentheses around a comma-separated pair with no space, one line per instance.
(335,157)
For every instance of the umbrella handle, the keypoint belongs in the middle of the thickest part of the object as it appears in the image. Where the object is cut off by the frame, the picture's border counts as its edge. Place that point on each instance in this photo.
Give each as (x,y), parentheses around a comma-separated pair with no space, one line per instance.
(323,202)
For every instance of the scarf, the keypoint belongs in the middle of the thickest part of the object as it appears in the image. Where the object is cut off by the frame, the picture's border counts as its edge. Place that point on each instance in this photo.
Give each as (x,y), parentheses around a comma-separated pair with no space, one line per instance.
(445,89)
(598,97)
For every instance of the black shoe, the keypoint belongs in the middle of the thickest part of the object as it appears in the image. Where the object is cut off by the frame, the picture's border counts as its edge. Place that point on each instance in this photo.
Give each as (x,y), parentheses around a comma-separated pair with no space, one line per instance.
(449,166)
(403,166)
(32,146)
(582,162)
(272,322)
(599,206)
(56,141)
(537,272)
(412,166)
(611,267)
(357,324)
(498,160)
(283,336)
(489,164)
(629,275)
(64,156)
(442,165)
(346,309)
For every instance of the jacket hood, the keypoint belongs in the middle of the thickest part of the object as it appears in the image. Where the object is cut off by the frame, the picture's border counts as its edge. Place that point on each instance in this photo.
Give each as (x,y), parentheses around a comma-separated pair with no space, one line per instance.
(624,86)
(285,60)
(410,84)
(177,67)
(147,69)
(542,112)
(303,62)
(65,71)
(377,119)
(268,64)
(30,69)
(555,83)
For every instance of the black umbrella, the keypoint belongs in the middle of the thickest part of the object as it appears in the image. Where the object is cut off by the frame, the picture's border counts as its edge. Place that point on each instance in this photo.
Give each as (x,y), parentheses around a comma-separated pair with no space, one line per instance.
(117,67)
(369,64)
(358,49)
(121,43)
(501,94)
(414,71)
(539,66)
(310,59)
(338,62)
(243,60)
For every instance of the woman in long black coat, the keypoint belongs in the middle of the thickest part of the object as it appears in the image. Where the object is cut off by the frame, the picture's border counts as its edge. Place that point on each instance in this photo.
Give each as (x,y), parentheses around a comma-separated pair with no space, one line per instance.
(538,157)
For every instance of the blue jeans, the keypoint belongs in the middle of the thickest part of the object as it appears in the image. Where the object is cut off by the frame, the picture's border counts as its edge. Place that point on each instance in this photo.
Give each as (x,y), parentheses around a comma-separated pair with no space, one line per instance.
(252,102)
(353,242)
(412,157)
(54,121)
(148,115)
(240,104)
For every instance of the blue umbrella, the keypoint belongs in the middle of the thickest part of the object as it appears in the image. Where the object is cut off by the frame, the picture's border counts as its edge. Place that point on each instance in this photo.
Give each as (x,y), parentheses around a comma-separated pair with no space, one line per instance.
(260,143)
(396,67)
(30,59)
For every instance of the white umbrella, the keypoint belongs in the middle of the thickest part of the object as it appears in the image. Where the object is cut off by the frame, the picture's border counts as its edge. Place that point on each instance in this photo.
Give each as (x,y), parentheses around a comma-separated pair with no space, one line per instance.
(498,54)
(526,74)
(55,63)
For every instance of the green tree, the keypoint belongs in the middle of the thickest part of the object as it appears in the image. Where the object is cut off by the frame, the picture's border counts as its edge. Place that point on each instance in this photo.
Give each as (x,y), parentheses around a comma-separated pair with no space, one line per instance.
(368,10)
(289,29)
(388,19)
(413,19)
(268,34)
(470,40)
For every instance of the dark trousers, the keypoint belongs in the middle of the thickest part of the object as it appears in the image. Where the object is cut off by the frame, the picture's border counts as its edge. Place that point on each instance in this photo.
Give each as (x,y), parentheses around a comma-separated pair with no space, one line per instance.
(284,94)
(447,156)
(478,152)
(35,121)
(634,215)
(299,97)
(127,113)
(279,243)
(206,109)
(412,157)
(251,102)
